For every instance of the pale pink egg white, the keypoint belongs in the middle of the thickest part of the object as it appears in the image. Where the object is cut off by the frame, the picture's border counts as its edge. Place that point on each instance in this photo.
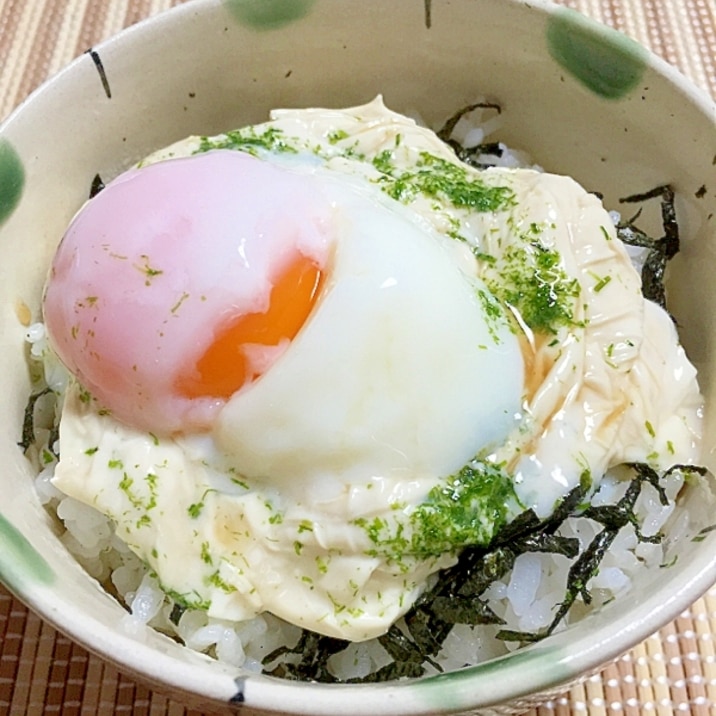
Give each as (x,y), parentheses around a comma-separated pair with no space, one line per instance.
(168,267)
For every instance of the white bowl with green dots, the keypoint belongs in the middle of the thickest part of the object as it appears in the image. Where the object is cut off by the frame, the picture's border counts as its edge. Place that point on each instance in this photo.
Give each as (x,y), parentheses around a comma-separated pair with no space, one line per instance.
(581,99)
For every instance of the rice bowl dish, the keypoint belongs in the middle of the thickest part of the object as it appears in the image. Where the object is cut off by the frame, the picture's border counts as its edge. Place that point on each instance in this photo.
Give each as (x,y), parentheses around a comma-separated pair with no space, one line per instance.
(589,547)
(233,518)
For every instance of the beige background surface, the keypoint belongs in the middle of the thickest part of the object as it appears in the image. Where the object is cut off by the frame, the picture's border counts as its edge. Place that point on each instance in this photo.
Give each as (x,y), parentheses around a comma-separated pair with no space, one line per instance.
(42,672)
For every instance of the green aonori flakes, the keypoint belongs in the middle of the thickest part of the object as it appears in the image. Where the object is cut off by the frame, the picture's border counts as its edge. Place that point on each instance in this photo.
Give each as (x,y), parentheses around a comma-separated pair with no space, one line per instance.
(466,509)
(494,314)
(250,140)
(529,277)
(457,597)
(440,179)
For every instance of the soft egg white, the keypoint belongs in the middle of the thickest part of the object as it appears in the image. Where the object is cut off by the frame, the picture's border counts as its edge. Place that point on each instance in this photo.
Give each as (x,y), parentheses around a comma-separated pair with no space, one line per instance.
(399,374)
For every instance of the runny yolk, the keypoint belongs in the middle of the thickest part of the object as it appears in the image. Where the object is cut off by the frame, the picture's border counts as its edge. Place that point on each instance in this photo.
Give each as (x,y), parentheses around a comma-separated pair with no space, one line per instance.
(224,366)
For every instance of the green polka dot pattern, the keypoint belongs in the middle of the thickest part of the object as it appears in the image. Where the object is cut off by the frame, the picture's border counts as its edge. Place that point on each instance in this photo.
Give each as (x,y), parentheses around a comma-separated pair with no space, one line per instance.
(603,60)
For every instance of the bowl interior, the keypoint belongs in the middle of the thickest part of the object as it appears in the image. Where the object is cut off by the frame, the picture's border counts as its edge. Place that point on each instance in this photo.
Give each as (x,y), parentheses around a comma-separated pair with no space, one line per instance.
(599,109)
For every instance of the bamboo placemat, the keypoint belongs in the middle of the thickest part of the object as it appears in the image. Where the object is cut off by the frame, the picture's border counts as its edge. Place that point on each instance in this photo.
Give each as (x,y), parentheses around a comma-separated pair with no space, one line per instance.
(42,672)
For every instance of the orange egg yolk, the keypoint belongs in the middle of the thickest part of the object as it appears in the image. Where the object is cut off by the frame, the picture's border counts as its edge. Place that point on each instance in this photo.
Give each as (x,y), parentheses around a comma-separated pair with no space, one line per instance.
(224,366)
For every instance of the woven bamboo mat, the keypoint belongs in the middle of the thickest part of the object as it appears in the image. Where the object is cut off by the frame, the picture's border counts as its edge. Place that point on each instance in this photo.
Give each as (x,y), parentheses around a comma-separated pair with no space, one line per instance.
(42,672)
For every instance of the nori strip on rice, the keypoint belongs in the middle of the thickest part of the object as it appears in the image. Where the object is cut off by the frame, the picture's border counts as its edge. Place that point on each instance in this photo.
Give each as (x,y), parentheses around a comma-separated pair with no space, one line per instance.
(176,613)
(456,597)
(478,156)
(312,652)
(28,423)
(661,250)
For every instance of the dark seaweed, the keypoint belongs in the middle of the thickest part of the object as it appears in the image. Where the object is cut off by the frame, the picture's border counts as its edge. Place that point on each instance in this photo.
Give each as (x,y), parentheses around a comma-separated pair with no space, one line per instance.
(479,156)
(456,597)
(613,518)
(28,423)
(465,610)
(401,648)
(176,613)
(96,186)
(390,672)
(52,438)
(662,249)
(313,651)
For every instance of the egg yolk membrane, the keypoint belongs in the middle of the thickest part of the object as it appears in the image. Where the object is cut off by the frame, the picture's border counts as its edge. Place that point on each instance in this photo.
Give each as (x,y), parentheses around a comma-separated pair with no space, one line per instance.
(225,366)
(315,358)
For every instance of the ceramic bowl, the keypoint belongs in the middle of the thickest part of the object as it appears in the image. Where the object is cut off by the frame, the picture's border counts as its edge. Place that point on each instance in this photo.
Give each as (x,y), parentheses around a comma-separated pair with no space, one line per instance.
(581,99)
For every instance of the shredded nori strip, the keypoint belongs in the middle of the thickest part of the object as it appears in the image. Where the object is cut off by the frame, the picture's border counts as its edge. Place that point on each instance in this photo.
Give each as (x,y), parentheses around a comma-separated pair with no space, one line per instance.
(391,672)
(445,133)
(52,439)
(478,156)
(176,613)
(662,249)
(96,186)
(613,518)
(314,651)
(28,424)
(456,597)
(465,610)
